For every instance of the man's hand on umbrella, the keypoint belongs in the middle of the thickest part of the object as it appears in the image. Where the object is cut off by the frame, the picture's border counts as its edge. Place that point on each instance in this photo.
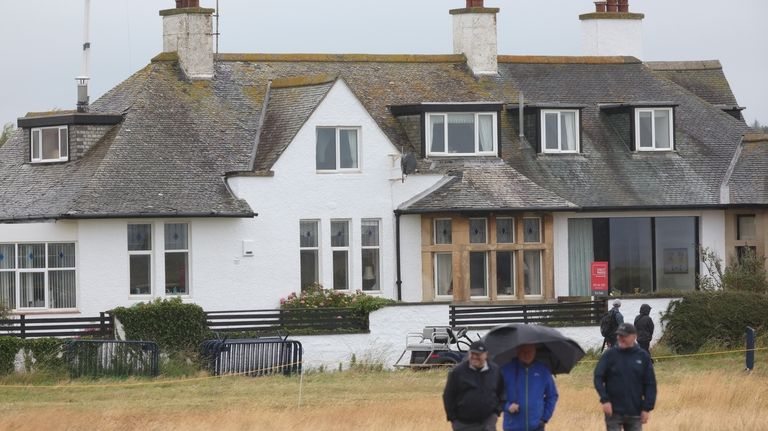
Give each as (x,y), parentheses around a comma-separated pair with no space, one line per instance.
(514,408)
(608,409)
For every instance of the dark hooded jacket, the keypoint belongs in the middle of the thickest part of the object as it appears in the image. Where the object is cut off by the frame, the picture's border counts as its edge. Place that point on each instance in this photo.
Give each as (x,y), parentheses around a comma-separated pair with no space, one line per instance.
(644,324)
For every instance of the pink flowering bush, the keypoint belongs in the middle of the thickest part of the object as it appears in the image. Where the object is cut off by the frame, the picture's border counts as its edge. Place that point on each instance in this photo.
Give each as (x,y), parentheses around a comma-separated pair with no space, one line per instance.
(315,296)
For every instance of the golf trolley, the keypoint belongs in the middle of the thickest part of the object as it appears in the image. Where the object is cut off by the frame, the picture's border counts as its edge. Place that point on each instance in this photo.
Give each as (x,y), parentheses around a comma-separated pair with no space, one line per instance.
(435,346)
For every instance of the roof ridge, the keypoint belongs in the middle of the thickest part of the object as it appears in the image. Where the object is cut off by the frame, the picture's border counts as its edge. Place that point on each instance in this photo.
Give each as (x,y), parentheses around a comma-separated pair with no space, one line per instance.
(564,59)
(340,58)
(303,81)
(685,65)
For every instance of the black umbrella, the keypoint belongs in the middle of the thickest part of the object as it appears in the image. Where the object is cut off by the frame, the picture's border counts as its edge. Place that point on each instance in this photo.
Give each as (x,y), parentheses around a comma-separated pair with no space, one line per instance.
(553,349)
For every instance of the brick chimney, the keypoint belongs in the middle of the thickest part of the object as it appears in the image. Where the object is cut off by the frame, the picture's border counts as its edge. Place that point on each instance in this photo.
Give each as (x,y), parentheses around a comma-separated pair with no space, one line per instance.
(474,35)
(187,31)
(612,30)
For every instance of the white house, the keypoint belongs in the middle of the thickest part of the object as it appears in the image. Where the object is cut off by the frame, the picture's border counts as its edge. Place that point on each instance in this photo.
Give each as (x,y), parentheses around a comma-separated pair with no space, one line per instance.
(232,180)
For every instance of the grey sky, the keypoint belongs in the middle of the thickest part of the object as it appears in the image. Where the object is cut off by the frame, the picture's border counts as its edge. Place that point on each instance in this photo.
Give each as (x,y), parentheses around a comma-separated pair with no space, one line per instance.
(40,40)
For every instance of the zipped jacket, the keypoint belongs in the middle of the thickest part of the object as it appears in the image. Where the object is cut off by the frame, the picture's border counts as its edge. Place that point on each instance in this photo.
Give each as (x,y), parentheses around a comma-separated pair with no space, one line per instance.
(533,389)
(625,377)
(644,324)
(471,395)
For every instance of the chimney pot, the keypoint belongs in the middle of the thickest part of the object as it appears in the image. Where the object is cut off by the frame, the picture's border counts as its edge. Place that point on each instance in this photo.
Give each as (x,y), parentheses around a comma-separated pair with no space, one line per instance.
(474,3)
(187,3)
(624,6)
(600,6)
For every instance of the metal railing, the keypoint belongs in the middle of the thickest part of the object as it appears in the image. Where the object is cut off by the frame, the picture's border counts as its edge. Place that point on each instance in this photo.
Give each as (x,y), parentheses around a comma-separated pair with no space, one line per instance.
(253,357)
(556,314)
(98,358)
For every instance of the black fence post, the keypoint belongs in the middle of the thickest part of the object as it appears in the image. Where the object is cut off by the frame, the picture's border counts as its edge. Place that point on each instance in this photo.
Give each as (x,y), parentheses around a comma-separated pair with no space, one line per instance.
(525,314)
(102,324)
(452,315)
(750,359)
(22,329)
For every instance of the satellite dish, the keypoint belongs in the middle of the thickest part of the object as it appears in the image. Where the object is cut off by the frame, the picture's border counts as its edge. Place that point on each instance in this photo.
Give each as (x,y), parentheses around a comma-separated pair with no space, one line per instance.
(408,163)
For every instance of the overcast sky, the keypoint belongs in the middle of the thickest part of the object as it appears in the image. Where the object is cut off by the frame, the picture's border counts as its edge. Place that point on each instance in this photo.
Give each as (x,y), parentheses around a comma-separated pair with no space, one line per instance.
(40,40)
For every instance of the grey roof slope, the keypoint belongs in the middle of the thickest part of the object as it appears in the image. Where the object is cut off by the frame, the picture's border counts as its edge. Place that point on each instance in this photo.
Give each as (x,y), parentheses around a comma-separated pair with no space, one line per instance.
(702,78)
(748,184)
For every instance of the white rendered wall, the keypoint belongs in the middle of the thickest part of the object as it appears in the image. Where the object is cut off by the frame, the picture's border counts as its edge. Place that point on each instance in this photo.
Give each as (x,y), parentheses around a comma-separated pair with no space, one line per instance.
(474,35)
(602,37)
(711,235)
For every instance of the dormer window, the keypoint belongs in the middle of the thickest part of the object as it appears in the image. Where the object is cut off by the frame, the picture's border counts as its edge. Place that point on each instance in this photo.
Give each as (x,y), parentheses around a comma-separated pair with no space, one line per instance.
(462,134)
(560,131)
(653,129)
(49,144)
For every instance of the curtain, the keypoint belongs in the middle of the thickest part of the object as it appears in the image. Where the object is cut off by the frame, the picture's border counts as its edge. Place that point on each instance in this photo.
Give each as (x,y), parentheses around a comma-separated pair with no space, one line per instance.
(580,256)
(348,149)
(61,289)
(485,126)
(661,123)
(532,272)
(444,273)
(8,289)
(550,131)
(325,152)
(568,131)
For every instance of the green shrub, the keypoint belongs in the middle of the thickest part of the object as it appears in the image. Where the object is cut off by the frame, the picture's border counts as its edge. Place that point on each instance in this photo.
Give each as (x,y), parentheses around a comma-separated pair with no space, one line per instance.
(713,319)
(746,274)
(175,326)
(47,352)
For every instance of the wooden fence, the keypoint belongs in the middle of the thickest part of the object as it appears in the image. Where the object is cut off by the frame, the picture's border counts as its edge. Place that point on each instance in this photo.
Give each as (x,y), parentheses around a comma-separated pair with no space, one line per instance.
(61,327)
(557,314)
(290,320)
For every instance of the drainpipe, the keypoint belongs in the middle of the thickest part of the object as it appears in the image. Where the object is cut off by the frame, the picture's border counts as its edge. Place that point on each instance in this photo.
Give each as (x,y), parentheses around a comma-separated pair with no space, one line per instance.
(399,281)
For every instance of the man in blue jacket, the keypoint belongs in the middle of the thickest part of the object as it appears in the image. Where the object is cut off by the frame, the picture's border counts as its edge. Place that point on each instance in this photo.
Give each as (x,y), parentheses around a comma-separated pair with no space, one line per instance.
(531,392)
(625,380)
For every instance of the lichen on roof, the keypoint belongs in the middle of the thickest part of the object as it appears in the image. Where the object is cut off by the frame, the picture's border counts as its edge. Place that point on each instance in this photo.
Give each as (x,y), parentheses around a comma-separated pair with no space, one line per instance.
(302,81)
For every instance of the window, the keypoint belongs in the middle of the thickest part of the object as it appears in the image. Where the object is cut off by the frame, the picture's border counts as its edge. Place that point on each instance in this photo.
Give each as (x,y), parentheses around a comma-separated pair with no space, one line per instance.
(505,230)
(532,232)
(369,242)
(478,273)
(505,273)
(745,227)
(340,250)
(38,275)
(177,258)
(443,234)
(462,134)
(532,272)
(444,274)
(140,259)
(50,144)
(337,149)
(477,230)
(309,249)
(653,129)
(560,131)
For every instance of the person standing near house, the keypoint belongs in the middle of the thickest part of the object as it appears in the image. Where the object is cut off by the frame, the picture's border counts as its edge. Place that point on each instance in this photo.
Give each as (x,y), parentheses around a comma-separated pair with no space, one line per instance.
(531,392)
(474,393)
(644,326)
(626,383)
(609,322)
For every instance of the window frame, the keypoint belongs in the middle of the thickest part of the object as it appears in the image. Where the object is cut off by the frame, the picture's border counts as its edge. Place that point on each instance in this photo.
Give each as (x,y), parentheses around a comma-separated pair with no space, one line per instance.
(188,251)
(543,131)
(377,247)
(32,145)
(540,253)
(45,270)
(739,233)
(541,234)
(317,249)
(434,230)
(347,248)
(149,253)
(636,137)
(435,268)
(514,254)
(428,134)
(338,168)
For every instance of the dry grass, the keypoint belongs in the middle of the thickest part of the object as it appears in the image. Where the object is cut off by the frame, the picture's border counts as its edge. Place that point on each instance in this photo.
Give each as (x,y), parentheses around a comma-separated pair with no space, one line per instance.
(700,394)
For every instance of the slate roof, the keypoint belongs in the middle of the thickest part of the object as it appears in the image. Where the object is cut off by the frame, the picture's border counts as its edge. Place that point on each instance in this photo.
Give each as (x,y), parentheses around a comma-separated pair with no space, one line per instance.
(179,139)
(748,183)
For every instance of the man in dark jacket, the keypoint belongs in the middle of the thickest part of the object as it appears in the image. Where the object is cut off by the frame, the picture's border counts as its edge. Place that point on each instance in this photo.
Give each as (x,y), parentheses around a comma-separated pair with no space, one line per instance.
(644,326)
(618,318)
(474,393)
(625,380)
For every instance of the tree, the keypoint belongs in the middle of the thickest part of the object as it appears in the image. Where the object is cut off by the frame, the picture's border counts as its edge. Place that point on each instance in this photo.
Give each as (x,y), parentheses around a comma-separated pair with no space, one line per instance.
(747,273)
(6,134)
(759,127)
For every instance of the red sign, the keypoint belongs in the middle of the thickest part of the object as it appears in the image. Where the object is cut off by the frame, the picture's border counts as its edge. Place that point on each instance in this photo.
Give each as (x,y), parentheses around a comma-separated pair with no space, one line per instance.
(599,278)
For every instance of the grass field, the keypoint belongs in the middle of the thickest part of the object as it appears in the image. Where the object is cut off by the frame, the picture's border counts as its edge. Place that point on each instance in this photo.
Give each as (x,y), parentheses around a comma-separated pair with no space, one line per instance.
(710,393)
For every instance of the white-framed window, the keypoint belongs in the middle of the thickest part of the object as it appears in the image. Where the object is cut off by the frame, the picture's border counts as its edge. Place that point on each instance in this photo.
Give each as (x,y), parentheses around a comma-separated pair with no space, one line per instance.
(443,274)
(560,131)
(340,252)
(309,251)
(462,134)
(49,144)
(176,258)
(653,129)
(532,272)
(531,230)
(38,275)
(140,259)
(370,244)
(337,149)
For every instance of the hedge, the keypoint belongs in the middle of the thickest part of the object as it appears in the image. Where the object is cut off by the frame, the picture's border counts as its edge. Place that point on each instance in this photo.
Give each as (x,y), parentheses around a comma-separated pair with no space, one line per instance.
(174,325)
(715,318)
(47,352)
